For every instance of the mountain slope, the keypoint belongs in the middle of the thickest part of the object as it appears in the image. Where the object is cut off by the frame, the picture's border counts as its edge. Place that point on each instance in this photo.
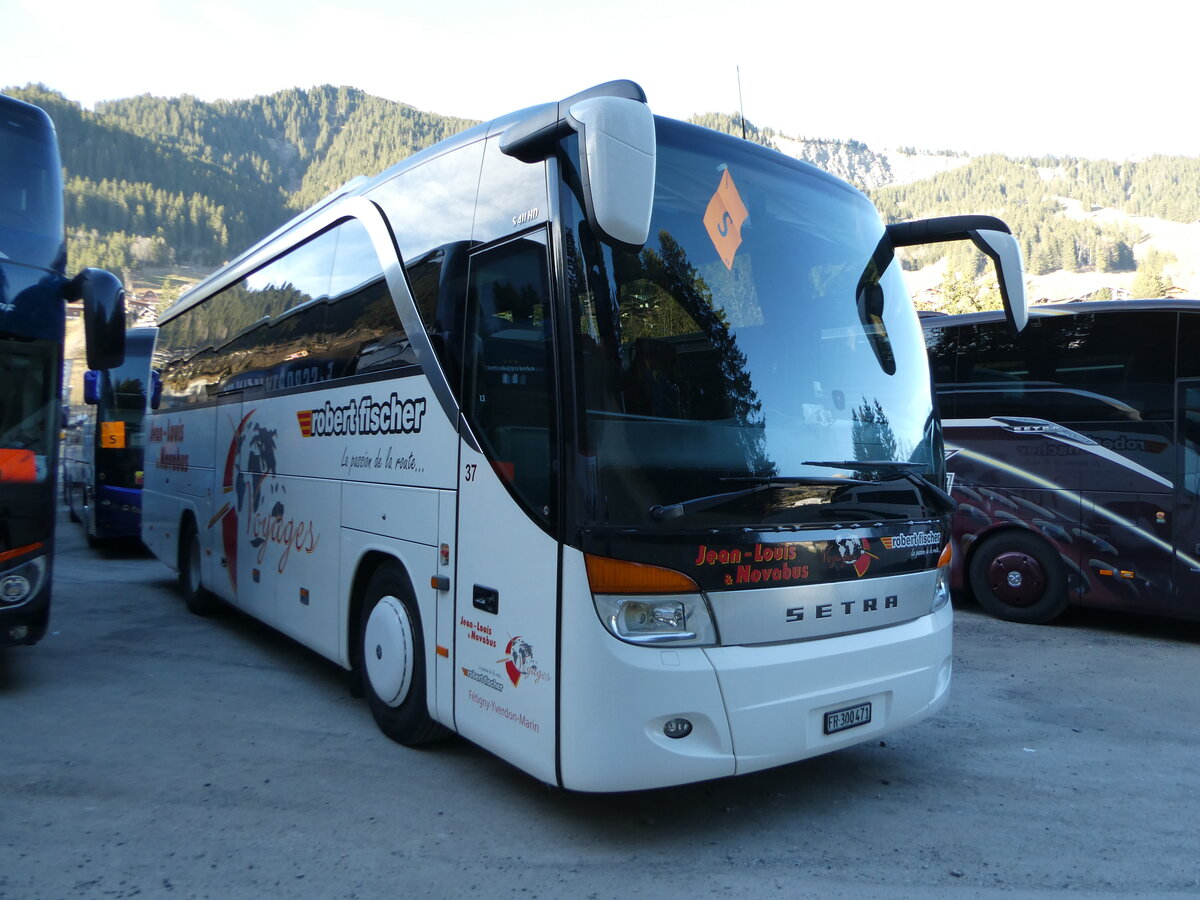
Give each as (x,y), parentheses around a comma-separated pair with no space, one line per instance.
(163,183)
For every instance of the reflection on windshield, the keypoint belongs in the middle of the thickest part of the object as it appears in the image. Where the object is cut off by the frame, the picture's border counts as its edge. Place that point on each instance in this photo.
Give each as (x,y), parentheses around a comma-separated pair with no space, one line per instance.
(25,405)
(702,358)
(681,357)
(31,218)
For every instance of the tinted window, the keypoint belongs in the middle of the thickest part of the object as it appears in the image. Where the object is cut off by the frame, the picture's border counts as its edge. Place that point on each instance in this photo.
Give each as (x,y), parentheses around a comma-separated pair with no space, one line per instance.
(432,209)
(322,311)
(1189,340)
(764,331)
(509,368)
(31,202)
(1102,367)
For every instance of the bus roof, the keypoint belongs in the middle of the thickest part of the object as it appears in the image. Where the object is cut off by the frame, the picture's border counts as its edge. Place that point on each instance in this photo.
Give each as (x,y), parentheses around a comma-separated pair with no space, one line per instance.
(524,130)
(25,114)
(362,184)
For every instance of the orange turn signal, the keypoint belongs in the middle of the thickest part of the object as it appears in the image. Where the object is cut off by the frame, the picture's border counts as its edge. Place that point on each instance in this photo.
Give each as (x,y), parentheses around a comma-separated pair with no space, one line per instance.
(617,576)
(947,555)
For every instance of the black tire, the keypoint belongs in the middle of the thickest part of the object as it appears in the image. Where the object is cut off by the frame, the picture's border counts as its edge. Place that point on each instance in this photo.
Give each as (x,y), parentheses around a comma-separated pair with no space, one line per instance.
(69,495)
(89,531)
(1019,577)
(390,658)
(199,601)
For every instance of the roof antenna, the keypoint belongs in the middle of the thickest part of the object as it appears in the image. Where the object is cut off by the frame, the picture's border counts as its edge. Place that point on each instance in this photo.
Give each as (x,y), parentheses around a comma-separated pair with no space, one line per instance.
(741,107)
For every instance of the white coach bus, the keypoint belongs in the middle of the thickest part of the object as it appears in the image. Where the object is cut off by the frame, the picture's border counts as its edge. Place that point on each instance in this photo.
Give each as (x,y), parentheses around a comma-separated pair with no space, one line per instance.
(603,440)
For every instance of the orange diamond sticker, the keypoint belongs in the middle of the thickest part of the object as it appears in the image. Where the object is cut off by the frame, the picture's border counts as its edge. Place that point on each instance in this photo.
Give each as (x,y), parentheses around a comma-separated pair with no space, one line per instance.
(112,435)
(723,219)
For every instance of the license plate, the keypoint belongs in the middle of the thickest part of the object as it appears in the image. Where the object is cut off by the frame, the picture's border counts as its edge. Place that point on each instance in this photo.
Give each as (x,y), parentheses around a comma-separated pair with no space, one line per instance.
(850,717)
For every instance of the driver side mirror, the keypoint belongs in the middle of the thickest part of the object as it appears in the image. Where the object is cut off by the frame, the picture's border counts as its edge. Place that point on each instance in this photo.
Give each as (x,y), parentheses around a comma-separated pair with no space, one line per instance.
(156,388)
(91,387)
(992,237)
(103,298)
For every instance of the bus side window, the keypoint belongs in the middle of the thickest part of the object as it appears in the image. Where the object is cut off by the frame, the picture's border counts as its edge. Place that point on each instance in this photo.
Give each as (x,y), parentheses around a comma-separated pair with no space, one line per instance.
(508,371)
(365,331)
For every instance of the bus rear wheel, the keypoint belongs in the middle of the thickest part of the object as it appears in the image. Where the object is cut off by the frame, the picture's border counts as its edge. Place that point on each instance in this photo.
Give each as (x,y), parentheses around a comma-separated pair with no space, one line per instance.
(199,601)
(1017,576)
(68,496)
(391,659)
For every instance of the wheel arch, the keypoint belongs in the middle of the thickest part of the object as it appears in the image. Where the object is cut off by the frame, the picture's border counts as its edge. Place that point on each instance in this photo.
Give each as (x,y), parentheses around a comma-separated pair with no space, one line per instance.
(186,519)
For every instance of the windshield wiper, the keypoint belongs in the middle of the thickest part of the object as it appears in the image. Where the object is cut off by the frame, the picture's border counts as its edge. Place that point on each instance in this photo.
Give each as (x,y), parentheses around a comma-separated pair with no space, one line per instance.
(760,483)
(909,471)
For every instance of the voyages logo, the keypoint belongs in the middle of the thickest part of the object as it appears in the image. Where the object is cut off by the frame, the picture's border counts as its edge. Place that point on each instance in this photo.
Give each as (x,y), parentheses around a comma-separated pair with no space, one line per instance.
(364,416)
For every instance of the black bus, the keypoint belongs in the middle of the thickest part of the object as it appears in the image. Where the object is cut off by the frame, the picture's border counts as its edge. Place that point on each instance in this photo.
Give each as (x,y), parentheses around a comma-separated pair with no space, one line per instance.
(103,456)
(1072,451)
(33,293)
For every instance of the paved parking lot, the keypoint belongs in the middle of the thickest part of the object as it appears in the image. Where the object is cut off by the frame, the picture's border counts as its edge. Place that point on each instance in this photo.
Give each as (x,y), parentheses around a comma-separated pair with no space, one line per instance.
(150,753)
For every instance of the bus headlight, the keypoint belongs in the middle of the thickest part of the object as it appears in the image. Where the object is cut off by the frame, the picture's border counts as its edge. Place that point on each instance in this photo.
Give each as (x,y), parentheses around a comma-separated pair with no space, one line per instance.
(657,619)
(941,590)
(21,583)
(645,604)
(941,586)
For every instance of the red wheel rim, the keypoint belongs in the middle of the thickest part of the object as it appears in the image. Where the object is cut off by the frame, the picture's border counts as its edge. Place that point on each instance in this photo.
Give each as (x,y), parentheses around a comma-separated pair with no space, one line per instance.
(1016,578)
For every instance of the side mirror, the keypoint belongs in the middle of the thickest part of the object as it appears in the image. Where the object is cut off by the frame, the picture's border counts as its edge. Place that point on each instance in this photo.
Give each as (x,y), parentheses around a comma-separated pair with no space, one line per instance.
(156,388)
(992,237)
(618,153)
(91,387)
(103,298)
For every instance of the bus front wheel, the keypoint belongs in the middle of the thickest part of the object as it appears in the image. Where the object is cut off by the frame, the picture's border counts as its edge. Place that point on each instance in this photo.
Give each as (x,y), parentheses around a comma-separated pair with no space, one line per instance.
(199,601)
(1017,576)
(391,659)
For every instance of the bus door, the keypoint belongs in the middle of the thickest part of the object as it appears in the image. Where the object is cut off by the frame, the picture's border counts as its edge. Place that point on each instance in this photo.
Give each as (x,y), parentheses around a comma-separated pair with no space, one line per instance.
(1187,500)
(506,583)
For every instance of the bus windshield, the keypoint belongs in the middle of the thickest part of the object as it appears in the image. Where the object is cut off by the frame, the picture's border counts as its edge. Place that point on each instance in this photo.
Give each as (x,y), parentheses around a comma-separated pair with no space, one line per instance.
(123,394)
(763,328)
(26,408)
(31,214)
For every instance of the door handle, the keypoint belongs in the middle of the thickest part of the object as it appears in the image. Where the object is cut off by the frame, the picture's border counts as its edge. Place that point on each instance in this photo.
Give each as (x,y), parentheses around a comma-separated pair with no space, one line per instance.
(486,599)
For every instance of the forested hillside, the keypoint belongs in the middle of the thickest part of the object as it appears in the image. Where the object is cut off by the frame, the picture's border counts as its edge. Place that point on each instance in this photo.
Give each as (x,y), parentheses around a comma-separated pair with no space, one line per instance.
(153,181)
(156,183)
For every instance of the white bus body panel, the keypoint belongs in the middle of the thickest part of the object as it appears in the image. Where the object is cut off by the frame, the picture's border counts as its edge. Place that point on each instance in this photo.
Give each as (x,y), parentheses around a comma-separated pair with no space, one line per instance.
(751,707)
(506,661)
(179,478)
(285,482)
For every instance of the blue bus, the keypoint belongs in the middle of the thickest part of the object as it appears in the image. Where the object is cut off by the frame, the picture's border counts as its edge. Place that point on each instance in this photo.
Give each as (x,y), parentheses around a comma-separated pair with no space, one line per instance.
(33,292)
(103,456)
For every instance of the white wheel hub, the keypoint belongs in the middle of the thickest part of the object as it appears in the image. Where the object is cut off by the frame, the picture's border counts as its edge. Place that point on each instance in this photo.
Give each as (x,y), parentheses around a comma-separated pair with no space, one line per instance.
(388,650)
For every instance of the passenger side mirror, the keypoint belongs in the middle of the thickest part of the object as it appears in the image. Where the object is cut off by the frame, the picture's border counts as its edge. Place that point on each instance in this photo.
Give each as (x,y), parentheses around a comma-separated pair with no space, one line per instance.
(992,237)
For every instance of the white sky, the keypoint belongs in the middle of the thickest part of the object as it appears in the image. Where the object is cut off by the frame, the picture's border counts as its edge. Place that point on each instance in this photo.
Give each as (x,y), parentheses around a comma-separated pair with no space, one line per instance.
(1095,79)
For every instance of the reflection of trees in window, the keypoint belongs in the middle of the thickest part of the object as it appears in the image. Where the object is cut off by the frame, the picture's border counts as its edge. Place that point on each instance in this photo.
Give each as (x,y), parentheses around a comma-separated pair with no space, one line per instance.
(681,304)
(872,434)
(129,394)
